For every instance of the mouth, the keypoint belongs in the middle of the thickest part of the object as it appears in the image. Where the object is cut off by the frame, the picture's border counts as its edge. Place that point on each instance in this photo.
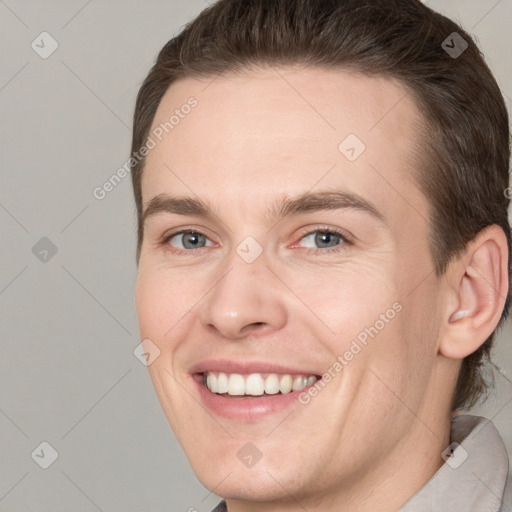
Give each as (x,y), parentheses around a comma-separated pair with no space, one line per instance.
(250,392)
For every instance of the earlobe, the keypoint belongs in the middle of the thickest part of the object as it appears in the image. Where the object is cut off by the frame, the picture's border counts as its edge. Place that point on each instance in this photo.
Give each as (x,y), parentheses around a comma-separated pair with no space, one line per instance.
(480,286)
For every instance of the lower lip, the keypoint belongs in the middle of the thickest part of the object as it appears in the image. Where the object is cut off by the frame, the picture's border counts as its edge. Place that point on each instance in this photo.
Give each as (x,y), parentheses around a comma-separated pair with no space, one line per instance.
(245,408)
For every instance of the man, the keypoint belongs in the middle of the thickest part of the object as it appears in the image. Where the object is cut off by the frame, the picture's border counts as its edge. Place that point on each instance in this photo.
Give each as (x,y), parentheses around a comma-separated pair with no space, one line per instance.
(324,254)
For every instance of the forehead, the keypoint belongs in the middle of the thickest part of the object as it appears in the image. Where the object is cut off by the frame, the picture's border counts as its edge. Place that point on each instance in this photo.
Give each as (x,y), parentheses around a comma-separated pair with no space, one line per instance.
(262,134)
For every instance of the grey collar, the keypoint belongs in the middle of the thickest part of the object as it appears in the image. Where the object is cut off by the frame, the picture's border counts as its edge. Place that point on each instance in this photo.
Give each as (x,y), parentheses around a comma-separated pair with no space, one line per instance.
(473,478)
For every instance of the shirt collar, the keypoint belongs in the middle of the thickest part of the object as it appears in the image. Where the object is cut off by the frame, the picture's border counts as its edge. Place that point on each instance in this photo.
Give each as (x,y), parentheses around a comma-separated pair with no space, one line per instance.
(473,476)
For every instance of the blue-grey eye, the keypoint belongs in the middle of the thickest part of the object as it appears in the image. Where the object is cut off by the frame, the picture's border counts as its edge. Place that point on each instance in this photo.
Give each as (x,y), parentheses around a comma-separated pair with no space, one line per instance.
(323,239)
(189,240)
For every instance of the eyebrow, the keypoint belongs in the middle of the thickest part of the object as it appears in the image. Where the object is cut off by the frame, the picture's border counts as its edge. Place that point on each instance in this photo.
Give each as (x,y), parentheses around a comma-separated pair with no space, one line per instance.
(285,207)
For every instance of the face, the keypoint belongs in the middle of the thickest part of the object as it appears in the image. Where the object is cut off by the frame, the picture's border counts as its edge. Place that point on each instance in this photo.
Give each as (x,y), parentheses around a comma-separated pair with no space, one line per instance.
(285,246)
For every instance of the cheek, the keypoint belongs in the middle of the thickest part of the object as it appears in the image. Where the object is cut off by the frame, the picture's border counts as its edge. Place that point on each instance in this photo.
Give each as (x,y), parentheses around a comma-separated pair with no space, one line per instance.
(346,300)
(160,302)
(167,302)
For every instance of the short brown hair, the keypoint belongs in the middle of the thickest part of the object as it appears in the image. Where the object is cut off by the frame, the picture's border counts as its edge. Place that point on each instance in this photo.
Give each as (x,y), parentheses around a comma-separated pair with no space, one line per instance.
(465,159)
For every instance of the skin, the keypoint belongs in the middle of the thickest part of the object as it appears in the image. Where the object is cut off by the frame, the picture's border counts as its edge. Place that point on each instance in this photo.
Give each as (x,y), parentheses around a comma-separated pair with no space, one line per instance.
(374,435)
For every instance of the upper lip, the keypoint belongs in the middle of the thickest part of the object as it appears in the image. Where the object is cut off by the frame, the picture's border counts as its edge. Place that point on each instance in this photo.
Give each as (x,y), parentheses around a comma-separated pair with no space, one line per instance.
(247,367)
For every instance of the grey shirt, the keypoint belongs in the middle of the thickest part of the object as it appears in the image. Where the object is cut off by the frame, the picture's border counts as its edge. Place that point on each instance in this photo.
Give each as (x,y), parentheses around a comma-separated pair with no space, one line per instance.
(473,477)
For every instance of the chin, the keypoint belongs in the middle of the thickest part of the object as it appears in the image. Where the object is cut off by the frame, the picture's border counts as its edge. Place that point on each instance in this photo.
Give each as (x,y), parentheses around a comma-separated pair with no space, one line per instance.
(255,484)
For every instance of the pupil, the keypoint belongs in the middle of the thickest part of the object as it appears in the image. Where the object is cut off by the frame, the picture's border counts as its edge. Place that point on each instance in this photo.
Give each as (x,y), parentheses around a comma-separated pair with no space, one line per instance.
(192,240)
(326,238)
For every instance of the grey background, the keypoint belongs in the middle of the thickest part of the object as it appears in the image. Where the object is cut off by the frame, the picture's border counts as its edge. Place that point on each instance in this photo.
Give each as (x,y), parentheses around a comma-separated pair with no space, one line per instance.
(68,328)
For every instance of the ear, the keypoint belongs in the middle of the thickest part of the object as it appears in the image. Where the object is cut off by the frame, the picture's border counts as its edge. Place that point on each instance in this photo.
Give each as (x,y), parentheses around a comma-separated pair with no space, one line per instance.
(478,287)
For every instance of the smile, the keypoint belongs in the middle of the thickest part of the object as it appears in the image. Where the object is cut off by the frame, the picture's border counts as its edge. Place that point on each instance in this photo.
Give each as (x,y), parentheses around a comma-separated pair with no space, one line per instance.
(248,391)
(255,384)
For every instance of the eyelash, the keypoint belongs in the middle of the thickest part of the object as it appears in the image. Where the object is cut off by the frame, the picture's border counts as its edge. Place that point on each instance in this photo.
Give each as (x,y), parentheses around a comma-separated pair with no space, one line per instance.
(346,240)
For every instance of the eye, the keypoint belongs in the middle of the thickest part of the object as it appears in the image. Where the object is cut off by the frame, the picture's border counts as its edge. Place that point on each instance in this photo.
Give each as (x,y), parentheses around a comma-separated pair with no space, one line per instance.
(188,240)
(324,238)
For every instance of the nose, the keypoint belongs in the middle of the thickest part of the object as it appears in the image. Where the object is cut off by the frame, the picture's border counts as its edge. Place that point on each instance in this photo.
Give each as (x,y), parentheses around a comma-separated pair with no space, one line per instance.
(245,301)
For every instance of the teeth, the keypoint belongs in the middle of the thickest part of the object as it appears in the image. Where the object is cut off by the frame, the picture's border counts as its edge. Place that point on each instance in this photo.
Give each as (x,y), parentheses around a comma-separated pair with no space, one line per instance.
(299,383)
(222,383)
(211,382)
(256,384)
(272,384)
(285,384)
(236,384)
(311,380)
